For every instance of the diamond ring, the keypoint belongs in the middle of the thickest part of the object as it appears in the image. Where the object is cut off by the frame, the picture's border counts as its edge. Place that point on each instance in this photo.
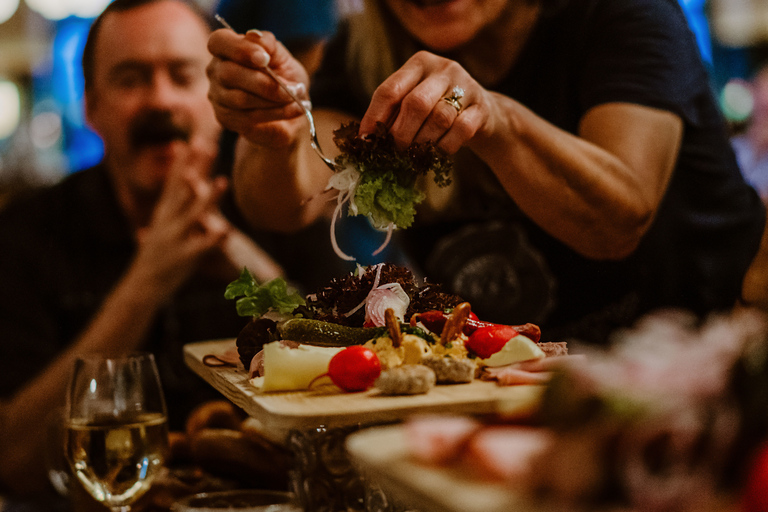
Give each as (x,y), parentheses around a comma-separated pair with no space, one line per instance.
(453,100)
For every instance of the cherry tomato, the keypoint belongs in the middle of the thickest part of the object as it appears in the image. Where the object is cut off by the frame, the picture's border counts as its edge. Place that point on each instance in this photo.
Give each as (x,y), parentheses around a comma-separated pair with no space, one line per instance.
(355,368)
(488,340)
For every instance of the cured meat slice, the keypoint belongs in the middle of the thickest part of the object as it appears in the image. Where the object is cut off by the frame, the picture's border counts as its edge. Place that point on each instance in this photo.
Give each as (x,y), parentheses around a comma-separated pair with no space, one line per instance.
(506,452)
(511,376)
(438,439)
(534,371)
(547,364)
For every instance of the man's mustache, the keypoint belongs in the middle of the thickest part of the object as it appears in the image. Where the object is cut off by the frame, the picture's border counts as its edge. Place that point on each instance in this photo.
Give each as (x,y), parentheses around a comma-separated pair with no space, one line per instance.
(427,3)
(157,128)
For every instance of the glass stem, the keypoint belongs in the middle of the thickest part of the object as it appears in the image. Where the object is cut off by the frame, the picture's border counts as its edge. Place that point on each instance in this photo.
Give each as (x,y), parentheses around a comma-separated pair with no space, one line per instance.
(124,508)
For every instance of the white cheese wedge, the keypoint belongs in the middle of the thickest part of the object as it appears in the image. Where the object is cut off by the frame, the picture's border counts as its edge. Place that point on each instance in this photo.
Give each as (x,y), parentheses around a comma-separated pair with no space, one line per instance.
(292,369)
(520,348)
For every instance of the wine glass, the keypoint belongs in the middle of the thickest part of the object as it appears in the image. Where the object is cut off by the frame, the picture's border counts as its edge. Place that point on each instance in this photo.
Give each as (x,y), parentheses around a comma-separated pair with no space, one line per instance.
(117,436)
(245,500)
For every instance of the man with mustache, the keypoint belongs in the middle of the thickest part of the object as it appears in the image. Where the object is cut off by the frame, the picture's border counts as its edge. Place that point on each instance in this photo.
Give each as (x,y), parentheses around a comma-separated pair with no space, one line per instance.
(133,254)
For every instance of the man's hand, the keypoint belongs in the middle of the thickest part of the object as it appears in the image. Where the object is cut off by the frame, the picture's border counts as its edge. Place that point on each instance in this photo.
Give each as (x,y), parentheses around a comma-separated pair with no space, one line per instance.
(186,224)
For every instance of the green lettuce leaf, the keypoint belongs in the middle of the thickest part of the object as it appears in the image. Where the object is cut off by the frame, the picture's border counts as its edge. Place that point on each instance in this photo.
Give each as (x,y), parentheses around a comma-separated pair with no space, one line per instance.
(385,200)
(254,299)
(387,191)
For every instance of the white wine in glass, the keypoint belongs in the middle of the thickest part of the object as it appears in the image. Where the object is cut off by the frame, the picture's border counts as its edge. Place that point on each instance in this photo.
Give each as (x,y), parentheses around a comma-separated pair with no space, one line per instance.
(117,435)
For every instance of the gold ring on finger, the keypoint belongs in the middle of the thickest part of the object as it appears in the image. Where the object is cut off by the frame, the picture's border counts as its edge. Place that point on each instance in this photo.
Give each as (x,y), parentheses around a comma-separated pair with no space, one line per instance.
(455,103)
(453,100)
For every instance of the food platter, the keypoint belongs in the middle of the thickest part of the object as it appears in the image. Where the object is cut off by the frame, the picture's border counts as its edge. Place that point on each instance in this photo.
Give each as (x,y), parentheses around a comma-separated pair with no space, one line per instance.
(381,455)
(281,412)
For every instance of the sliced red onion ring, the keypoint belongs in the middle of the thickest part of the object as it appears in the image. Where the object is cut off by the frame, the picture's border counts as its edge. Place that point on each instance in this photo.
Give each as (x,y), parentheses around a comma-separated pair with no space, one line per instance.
(343,197)
(390,229)
(375,285)
(386,296)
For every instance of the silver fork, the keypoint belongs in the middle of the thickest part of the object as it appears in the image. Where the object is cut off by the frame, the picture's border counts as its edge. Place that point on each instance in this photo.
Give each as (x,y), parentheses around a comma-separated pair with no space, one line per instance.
(307,112)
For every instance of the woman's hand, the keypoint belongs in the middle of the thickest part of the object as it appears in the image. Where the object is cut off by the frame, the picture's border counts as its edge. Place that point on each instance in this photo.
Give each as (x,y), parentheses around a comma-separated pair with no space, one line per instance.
(246,99)
(410,102)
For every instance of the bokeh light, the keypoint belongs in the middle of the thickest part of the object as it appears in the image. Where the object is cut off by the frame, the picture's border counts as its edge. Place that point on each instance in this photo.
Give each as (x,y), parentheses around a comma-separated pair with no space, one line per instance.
(87,8)
(60,9)
(736,101)
(10,106)
(45,129)
(7,9)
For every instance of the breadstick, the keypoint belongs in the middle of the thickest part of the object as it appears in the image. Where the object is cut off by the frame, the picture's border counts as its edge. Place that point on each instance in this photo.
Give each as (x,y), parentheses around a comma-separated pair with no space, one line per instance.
(454,325)
(393,324)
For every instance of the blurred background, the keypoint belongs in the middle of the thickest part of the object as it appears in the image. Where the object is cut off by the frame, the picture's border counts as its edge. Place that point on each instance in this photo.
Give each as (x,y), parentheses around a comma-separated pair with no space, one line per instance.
(43,134)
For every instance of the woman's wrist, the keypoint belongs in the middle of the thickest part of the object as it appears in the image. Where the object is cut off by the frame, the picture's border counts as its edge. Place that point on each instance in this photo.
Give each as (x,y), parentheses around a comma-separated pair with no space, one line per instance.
(501,130)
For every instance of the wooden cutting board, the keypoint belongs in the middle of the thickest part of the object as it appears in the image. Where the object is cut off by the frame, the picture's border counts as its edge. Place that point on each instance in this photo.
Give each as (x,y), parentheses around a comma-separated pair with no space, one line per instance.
(280,412)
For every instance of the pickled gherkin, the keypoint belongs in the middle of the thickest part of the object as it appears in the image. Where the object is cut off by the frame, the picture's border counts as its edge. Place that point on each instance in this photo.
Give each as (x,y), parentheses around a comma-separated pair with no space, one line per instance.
(327,334)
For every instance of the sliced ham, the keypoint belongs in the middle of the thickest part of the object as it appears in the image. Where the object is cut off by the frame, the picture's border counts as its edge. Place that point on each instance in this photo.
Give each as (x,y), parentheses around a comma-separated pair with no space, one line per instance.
(511,376)
(229,357)
(533,371)
(547,364)
(438,439)
(506,452)
(257,365)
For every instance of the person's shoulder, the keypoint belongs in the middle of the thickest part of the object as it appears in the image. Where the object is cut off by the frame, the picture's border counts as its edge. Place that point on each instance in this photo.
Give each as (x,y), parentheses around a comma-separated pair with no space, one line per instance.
(24,202)
(654,30)
(43,204)
(617,18)
(656,11)
(630,5)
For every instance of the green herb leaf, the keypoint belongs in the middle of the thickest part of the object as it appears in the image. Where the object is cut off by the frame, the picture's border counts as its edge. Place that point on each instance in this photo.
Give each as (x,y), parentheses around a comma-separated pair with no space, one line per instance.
(256,300)
(255,305)
(283,300)
(244,285)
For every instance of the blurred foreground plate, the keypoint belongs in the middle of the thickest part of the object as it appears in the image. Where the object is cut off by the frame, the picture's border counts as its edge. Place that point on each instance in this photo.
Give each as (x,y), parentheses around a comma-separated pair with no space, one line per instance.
(380,454)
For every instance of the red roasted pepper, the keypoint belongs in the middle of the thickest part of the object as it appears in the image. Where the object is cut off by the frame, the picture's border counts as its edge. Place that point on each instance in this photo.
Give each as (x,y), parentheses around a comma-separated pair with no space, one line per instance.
(435,321)
(488,340)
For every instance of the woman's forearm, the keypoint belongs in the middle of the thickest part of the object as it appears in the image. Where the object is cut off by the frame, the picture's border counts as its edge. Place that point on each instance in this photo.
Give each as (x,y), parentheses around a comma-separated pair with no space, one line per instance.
(280,187)
(597,192)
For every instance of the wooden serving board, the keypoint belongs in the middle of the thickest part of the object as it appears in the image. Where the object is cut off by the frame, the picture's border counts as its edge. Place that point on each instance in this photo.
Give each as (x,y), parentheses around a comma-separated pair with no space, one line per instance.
(280,412)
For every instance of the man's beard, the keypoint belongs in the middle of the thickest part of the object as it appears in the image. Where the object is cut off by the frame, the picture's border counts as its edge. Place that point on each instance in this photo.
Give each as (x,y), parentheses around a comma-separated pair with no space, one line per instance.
(157,128)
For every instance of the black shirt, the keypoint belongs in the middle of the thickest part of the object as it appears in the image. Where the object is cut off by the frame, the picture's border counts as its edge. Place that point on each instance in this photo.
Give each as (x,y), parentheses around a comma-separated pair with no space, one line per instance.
(708,225)
(64,248)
